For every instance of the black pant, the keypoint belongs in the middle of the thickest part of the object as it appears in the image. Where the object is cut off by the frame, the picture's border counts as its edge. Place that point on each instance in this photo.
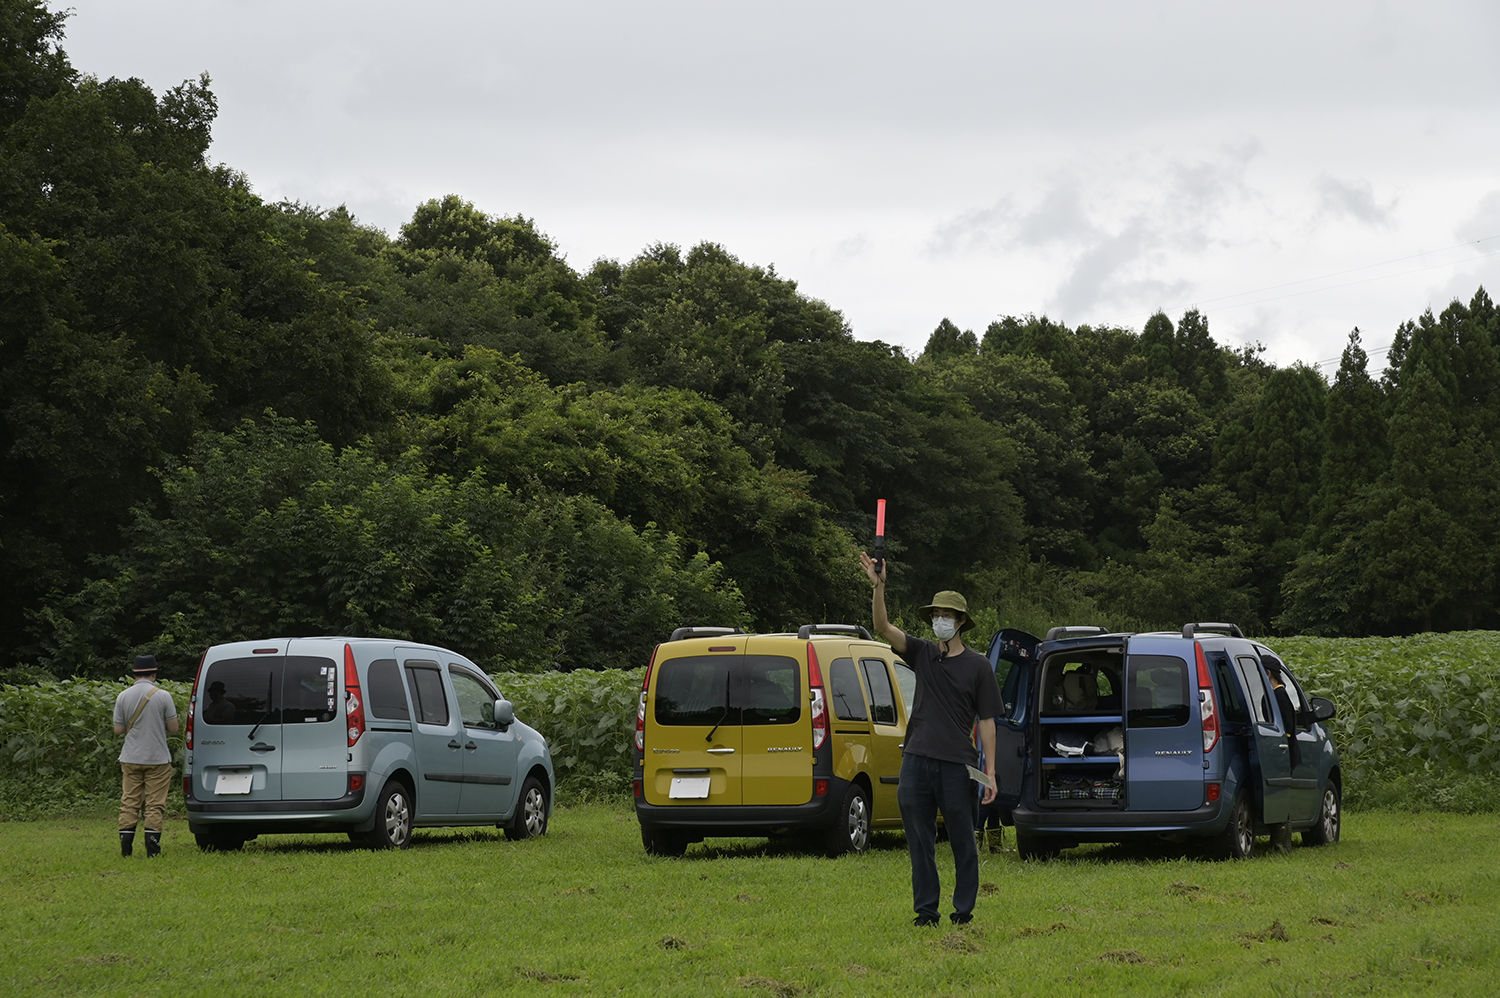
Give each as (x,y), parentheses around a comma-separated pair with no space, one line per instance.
(927,787)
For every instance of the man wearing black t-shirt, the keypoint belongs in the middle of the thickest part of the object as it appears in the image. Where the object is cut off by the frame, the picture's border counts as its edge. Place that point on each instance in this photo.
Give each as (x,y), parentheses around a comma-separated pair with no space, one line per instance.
(955,687)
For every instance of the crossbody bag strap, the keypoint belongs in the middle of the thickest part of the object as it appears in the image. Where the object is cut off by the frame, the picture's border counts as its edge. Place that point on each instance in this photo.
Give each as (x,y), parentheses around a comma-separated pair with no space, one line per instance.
(137,715)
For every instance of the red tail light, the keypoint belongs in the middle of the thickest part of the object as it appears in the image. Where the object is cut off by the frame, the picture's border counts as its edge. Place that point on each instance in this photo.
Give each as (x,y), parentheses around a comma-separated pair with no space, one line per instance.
(356,782)
(1212,792)
(640,713)
(354,708)
(1206,703)
(187,738)
(819,708)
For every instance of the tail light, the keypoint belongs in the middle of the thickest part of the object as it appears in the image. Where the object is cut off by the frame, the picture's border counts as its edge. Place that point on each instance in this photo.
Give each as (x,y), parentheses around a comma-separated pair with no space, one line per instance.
(354,708)
(1206,703)
(640,713)
(356,783)
(819,707)
(187,738)
(1211,792)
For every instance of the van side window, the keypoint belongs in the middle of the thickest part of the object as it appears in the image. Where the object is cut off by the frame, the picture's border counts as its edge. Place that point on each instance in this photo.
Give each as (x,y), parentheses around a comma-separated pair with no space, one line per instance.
(387,698)
(1260,697)
(906,681)
(309,689)
(1157,688)
(771,690)
(476,705)
(1233,697)
(848,695)
(882,698)
(242,690)
(427,691)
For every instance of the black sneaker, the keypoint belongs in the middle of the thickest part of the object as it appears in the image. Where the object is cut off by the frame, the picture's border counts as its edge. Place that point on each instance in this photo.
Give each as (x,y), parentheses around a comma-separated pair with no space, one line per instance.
(958,919)
(922,921)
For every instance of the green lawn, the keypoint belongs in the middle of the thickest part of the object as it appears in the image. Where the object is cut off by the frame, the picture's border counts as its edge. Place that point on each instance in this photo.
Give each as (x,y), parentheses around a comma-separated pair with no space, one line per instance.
(1406,904)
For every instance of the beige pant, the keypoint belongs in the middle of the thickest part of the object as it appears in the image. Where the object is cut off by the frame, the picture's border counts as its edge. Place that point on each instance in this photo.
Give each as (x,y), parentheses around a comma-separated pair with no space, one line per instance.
(144,787)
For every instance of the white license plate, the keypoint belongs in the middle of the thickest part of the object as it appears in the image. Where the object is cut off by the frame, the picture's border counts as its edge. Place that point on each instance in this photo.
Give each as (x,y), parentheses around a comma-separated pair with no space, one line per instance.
(688,787)
(233,783)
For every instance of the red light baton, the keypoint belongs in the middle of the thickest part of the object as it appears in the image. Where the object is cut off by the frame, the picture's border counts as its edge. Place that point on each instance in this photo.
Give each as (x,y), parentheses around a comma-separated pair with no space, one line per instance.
(879,536)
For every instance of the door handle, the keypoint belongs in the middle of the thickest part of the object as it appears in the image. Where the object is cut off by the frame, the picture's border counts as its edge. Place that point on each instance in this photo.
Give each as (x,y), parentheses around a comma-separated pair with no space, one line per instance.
(453,744)
(721,751)
(1281,745)
(471,746)
(262,747)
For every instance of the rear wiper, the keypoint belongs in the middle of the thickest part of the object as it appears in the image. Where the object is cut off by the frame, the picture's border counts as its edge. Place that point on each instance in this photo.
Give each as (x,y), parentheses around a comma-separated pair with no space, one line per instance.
(710,736)
(269,680)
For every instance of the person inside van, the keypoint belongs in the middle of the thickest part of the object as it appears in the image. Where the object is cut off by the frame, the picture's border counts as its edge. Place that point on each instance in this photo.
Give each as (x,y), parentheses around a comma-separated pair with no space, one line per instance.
(955,688)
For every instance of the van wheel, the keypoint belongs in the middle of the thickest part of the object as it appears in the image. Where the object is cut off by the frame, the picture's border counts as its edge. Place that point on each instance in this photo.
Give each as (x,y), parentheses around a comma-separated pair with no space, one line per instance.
(1029,846)
(1237,840)
(851,829)
(1326,831)
(664,841)
(219,842)
(531,812)
(393,818)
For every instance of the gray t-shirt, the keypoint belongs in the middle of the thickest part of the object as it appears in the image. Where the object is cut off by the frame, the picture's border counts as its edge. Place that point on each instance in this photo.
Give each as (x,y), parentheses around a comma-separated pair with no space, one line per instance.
(952,693)
(146,743)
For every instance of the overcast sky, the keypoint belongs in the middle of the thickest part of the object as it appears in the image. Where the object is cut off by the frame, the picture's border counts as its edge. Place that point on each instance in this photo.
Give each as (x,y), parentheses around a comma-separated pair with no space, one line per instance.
(1293,169)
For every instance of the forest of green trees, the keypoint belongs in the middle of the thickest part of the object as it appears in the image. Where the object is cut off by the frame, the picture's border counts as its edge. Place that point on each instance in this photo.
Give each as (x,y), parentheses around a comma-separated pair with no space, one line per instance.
(222,418)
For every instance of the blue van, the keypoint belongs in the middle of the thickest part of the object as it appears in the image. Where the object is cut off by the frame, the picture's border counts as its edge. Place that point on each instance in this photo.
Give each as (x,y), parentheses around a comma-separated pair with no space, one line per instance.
(365,736)
(1199,735)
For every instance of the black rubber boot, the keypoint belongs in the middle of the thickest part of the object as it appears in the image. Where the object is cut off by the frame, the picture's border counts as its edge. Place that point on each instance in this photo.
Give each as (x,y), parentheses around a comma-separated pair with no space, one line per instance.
(127,842)
(153,844)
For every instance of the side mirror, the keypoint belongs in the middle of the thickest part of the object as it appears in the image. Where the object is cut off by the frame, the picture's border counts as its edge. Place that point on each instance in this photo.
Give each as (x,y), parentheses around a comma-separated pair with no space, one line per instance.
(1323,708)
(505,713)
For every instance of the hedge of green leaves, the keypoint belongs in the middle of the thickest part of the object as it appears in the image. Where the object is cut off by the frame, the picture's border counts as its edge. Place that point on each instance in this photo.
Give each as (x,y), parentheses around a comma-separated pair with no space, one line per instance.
(1416,726)
(1417,717)
(57,737)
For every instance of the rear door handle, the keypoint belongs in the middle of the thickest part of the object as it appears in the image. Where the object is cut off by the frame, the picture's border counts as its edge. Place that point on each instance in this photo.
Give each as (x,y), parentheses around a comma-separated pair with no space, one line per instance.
(471,746)
(262,747)
(721,751)
(454,744)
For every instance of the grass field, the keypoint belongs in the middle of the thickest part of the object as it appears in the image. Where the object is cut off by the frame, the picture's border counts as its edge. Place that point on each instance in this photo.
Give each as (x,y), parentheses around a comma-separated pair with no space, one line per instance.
(1406,904)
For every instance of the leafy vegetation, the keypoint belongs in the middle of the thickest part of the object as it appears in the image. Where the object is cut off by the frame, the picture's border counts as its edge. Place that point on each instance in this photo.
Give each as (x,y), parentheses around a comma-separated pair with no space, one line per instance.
(222,418)
(1397,908)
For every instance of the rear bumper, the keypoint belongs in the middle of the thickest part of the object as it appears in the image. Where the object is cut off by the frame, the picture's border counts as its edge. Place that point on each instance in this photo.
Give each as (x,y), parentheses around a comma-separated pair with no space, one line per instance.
(255,816)
(744,819)
(1117,826)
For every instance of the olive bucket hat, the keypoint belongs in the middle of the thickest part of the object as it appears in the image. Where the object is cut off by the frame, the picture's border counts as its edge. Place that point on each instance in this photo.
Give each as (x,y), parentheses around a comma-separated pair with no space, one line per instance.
(950,600)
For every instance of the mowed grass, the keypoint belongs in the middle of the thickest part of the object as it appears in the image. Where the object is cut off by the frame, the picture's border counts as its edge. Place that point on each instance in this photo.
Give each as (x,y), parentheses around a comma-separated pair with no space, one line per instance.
(1406,904)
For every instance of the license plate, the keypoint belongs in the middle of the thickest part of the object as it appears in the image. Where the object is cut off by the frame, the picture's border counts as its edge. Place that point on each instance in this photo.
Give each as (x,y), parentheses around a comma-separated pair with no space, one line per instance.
(233,783)
(688,787)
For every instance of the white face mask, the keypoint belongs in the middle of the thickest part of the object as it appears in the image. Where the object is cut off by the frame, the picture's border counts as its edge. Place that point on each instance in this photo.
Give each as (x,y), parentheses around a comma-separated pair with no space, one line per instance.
(944,628)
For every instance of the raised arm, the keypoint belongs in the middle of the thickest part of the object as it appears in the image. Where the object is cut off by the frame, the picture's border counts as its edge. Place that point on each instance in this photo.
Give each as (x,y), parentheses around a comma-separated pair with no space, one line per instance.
(883,626)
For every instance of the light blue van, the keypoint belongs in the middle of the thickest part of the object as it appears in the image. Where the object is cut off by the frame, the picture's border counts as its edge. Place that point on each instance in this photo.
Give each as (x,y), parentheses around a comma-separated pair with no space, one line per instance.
(365,736)
(1199,735)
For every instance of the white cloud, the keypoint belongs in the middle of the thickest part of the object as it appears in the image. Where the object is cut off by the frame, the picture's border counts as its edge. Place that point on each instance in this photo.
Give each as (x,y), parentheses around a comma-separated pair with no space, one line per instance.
(1354,199)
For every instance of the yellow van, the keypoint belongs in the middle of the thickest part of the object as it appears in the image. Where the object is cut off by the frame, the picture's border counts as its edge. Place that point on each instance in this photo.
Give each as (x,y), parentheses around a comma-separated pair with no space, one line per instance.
(754,734)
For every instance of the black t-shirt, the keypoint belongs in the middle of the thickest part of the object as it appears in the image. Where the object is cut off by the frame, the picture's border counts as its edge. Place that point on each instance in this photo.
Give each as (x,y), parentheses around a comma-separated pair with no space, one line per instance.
(951,694)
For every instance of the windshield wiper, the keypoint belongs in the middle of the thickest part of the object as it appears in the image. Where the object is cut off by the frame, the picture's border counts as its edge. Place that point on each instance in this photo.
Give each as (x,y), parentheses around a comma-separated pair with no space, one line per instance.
(270,677)
(710,736)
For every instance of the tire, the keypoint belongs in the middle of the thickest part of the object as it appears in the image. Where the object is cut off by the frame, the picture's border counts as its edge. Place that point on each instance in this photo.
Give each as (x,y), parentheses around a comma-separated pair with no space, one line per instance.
(664,841)
(531,812)
(851,829)
(219,842)
(1034,847)
(393,818)
(1237,840)
(1330,817)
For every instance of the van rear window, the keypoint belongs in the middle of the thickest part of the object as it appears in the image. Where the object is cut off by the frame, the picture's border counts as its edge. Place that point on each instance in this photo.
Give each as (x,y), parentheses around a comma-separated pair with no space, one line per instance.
(1157,692)
(704,690)
(266,689)
(387,698)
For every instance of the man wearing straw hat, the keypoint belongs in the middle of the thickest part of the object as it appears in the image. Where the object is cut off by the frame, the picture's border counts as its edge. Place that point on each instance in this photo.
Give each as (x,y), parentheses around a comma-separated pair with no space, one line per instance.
(145,715)
(955,688)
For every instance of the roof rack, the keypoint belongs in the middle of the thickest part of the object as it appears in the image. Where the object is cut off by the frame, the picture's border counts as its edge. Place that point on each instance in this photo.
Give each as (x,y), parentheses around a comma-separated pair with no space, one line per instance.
(1233,630)
(808,630)
(1073,631)
(683,633)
